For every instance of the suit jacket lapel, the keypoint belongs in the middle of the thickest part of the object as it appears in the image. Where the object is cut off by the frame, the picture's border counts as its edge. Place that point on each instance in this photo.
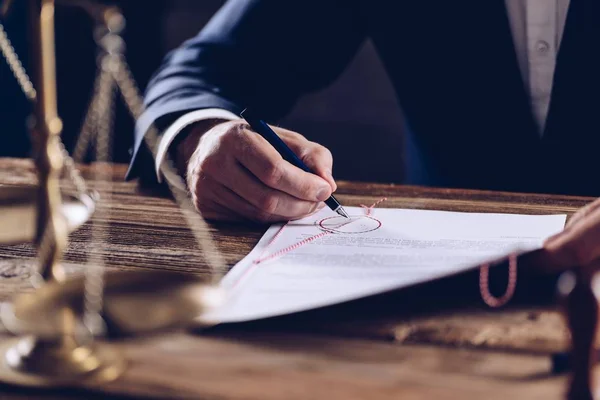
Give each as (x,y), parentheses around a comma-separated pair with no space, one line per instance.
(513,95)
(576,83)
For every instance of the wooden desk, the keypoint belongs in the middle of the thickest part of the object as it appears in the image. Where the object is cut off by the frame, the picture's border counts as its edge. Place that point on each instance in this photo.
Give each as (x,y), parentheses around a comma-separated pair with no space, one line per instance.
(465,353)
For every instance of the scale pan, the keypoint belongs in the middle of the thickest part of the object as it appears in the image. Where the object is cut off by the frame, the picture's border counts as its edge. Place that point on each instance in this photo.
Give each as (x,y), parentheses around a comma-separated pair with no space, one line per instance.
(18,213)
(134,303)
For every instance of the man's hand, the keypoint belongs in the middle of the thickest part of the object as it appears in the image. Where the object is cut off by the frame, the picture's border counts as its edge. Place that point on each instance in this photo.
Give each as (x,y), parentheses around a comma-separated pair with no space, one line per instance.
(233,173)
(579,244)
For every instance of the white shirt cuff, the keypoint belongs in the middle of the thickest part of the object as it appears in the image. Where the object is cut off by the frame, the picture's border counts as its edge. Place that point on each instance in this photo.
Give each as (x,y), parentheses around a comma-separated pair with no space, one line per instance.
(179,125)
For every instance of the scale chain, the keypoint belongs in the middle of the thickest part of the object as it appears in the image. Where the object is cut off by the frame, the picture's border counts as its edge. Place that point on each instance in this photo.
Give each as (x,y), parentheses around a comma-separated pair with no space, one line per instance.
(197,224)
(90,121)
(20,74)
(9,53)
(103,108)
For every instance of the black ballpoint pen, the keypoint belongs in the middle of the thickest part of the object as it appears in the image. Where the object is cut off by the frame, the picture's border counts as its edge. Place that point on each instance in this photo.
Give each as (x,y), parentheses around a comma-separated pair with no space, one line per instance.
(260,127)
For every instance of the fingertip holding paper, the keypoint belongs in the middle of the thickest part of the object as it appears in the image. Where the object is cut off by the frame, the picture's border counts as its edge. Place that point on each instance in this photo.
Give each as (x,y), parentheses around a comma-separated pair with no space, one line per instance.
(379,250)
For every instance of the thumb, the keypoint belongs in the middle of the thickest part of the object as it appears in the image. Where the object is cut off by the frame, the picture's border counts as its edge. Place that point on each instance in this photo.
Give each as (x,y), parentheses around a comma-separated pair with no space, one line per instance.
(316,157)
(320,161)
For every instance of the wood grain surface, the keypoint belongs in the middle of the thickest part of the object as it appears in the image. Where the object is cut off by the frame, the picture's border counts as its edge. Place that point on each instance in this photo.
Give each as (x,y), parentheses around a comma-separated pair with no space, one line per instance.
(435,341)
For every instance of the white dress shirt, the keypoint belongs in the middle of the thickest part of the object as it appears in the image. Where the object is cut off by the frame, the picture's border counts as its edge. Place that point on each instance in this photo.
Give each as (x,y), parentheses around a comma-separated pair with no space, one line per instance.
(537,27)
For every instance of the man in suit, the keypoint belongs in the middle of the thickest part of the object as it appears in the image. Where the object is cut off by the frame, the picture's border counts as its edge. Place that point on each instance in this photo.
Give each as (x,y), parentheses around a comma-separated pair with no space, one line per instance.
(498,94)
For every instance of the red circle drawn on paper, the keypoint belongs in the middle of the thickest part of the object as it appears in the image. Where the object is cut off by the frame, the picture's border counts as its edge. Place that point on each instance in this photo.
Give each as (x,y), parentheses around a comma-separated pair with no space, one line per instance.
(374,224)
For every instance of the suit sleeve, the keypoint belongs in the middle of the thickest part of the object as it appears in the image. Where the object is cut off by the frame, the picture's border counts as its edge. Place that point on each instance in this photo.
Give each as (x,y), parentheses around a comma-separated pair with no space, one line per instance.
(262,54)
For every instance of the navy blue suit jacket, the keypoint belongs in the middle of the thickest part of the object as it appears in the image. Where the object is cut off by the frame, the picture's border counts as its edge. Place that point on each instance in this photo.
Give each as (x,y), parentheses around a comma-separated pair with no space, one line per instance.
(453,67)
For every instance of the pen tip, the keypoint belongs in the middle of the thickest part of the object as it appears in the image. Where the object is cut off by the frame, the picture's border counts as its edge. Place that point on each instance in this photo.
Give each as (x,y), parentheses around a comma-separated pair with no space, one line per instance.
(342,212)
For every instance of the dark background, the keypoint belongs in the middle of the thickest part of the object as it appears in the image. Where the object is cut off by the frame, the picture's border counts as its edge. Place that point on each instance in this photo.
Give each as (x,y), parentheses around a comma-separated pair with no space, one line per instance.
(357,117)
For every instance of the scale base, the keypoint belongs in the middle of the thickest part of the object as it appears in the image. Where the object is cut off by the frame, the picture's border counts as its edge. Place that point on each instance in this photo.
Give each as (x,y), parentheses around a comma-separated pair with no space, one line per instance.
(39,363)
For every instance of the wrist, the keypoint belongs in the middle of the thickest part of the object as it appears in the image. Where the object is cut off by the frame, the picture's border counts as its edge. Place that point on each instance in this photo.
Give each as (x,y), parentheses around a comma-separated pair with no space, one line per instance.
(186,142)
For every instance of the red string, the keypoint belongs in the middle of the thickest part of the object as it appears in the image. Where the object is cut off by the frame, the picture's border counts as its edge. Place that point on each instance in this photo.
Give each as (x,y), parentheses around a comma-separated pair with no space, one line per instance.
(290,248)
(484,288)
(370,209)
(273,239)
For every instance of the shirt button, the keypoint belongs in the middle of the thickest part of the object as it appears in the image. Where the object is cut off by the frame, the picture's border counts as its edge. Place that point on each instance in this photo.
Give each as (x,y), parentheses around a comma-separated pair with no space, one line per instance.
(542,47)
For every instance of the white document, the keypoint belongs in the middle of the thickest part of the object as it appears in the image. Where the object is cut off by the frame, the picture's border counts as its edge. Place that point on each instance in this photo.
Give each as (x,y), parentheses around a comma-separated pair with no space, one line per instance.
(388,250)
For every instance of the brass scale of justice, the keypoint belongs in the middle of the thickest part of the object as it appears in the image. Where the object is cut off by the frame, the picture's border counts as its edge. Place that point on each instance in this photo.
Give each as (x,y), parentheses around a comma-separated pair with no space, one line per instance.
(58,325)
